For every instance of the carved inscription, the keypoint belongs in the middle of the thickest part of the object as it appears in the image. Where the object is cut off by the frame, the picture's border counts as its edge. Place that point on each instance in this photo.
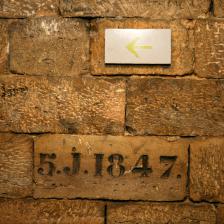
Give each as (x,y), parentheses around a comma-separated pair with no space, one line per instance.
(110,167)
(115,169)
(10,92)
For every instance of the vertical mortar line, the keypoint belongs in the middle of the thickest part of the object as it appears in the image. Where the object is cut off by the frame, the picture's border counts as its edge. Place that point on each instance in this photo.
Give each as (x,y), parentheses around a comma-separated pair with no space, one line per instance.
(33,179)
(11,24)
(89,45)
(59,8)
(188,171)
(9,45)
(105,214)
(125,109)
(193,50)
(211,8)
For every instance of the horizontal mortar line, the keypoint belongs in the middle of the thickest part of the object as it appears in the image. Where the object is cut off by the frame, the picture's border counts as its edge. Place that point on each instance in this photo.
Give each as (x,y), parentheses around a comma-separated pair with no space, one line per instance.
(89,18)
(190,76)
(185,201)
(96,199)
(17,74)
(113,76)
(106,76)
(205,201)
(13,18)
(81,134)
(210,17)
(142,75)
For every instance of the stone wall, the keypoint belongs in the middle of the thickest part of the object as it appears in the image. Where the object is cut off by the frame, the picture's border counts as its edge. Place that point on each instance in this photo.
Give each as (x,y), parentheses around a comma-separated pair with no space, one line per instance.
(90,143)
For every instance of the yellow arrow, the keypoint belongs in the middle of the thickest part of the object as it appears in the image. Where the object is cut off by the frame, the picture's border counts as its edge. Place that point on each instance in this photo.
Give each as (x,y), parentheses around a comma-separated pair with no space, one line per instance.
(132,47)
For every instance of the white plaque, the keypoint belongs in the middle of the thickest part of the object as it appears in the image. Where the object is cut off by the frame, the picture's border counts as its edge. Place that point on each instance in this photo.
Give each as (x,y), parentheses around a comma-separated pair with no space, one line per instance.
(138,46)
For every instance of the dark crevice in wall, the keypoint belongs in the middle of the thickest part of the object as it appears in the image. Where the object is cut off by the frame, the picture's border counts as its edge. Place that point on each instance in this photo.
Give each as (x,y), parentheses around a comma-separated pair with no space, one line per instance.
(211,7)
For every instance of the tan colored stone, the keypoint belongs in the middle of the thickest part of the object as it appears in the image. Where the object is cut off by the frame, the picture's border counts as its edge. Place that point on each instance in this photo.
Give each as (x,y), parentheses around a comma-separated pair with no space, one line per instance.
(51,211)
(154,213)
(156,9)
(26,8)
(50,46)
(220,214)
(182,53)
(207,170)
(219,8)
(33,104)
(16,164)
(65,166)
(4,46)
(185,107)
(209,48)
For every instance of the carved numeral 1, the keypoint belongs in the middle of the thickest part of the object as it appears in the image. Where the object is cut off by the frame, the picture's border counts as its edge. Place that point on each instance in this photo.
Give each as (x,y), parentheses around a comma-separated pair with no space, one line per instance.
(76,163)
(99,164)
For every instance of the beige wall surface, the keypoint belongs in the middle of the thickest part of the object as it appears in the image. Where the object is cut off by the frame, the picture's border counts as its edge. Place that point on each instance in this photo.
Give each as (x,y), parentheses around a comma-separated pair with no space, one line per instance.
(83,141)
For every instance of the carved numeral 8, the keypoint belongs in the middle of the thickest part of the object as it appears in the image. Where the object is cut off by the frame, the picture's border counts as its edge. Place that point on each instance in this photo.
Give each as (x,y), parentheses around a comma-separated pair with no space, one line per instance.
(116,169)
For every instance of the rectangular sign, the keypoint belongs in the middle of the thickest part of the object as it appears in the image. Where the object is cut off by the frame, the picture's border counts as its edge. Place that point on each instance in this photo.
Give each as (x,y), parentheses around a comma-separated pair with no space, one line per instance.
(138,46)
(110,167)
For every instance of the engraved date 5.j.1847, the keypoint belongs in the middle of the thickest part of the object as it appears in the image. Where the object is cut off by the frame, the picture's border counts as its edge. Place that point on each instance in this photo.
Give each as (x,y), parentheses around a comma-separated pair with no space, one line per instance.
(115,168)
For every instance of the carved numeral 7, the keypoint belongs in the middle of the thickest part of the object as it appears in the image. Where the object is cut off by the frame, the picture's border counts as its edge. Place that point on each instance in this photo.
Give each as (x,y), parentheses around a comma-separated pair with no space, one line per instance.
(169,162)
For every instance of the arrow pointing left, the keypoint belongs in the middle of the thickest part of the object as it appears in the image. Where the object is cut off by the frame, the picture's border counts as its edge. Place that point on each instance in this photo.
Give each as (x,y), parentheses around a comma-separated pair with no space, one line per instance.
(132,46)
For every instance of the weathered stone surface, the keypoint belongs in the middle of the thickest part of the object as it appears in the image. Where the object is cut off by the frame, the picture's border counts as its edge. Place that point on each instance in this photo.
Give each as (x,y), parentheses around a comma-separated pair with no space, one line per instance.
(182,53)
(209,48)
(16,164)
(207,170)
(160,213)
(33,104)
(185,107)
(132,8)
(50,46)
(4,45)
(220,214)
(25,8)
(51,211)
(146,168)
(219,8)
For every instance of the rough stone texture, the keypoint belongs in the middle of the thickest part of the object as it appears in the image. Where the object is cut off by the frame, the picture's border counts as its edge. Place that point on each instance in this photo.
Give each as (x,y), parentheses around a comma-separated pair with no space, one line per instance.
(132,8)
(4,45)
(50,212)
(185,107)
(50,46)
(182,53)
(219,8)
(207,169)
(220,214)
(33,104)
(161,214)
(209,48)
(16,164)
(165,175)
(25,8)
